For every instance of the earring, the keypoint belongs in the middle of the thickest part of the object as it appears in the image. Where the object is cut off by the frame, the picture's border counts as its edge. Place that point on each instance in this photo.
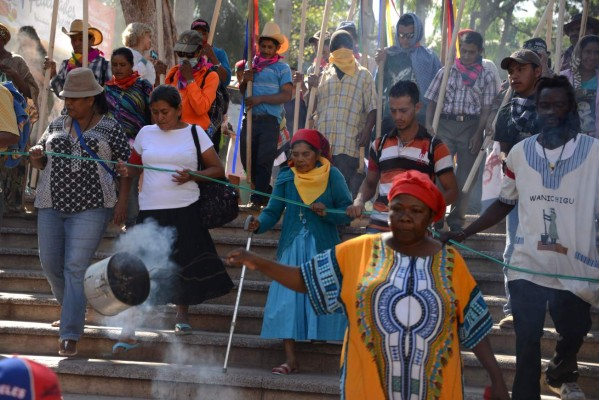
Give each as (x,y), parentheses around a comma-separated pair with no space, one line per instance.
(389,222)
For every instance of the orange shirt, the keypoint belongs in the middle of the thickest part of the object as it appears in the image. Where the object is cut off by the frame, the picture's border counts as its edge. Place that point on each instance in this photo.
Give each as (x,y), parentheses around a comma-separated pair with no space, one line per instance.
(196,100)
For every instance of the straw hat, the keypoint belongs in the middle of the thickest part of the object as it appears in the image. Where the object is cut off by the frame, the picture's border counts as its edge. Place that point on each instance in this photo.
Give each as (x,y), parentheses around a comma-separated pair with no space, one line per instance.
(272,30)
(81,82)
(77,28)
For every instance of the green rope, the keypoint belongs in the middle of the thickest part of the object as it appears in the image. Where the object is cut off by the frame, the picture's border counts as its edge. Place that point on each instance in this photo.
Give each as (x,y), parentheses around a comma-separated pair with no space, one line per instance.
(300,204)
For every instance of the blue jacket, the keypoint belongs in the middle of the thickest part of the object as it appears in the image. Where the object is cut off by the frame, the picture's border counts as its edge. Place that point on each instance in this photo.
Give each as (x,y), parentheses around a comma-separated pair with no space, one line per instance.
(324,229)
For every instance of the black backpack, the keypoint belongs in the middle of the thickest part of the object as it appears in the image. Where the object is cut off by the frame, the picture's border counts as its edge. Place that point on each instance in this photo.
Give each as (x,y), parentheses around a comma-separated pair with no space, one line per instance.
(219,106)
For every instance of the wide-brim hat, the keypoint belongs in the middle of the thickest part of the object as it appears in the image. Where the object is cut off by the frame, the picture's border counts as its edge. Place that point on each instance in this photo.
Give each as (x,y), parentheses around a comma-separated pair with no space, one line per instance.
(77,28)
(272,30)
(577,19)
(81,82)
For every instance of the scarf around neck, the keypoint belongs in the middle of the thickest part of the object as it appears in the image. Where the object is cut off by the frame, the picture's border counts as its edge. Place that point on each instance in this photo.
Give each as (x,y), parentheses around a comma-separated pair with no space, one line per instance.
(345,60)
(259,62)
(124,83)
(523,114)
(76,60)
(471,72)
(312,184)
(181,81)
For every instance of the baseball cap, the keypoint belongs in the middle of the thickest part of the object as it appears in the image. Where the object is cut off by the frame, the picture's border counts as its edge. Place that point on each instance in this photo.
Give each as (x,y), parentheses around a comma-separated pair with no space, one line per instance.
(316,37)
(522,56)
(200,24)
(188,42)
(536,45)
(24,379)
(348,26)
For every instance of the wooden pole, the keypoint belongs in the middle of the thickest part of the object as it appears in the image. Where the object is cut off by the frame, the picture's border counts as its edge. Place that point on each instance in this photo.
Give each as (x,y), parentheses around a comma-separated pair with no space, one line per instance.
(549,31)
(214,21)
(85,49)
(448,64)
(559,36)
(508,95)
(42,123)
(381,69)
(352,10)
(300,65)
(323,29)
(160,33)
(585,17)
(248,93)
(444,33)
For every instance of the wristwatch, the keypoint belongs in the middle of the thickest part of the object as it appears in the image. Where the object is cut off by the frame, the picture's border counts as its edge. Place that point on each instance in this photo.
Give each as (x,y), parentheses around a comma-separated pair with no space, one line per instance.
(218,65)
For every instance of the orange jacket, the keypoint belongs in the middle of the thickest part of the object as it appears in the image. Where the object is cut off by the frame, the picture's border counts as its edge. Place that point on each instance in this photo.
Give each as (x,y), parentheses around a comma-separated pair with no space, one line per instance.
(196,101)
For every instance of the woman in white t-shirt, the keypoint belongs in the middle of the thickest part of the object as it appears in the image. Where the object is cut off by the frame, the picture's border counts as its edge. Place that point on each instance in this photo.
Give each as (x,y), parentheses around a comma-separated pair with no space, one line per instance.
(173,200)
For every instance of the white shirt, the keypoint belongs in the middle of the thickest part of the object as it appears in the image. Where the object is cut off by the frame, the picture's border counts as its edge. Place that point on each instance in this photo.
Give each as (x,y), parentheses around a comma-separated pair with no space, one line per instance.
(144,67)
(173,150)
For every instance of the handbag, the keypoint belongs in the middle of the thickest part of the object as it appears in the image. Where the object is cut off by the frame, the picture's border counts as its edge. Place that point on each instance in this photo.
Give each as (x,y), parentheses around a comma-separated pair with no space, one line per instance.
(218,201)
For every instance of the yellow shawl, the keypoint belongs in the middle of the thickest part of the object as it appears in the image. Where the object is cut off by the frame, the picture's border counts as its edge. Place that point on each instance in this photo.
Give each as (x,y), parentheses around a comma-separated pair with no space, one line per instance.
(312,184)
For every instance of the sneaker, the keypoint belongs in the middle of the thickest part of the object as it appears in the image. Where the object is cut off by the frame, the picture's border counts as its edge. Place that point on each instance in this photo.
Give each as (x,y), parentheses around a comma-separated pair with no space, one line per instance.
(67,348)
(507,322)
(569,391)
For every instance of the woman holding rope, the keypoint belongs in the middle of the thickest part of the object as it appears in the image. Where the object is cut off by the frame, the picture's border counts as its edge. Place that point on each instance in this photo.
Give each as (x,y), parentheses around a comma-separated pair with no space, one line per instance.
(173,200)
(75,198)
(310,179)
(410,302)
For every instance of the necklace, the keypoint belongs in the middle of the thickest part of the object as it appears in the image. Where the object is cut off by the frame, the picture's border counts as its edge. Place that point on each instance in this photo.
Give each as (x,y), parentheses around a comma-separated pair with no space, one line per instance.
(552,166)
(86,126)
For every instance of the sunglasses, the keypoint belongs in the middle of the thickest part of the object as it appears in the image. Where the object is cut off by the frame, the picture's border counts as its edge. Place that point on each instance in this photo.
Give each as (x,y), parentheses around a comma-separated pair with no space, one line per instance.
(409,35)
(185,55)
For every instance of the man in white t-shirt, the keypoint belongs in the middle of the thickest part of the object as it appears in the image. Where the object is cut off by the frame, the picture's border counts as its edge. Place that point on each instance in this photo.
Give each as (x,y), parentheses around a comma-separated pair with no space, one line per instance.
(554,177)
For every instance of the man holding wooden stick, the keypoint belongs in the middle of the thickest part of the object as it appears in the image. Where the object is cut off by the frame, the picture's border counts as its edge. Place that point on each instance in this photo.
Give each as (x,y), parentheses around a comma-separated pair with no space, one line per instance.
(470,92)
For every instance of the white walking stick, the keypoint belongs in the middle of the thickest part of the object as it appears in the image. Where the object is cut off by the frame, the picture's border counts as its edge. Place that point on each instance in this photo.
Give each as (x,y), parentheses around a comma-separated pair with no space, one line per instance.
(246,226)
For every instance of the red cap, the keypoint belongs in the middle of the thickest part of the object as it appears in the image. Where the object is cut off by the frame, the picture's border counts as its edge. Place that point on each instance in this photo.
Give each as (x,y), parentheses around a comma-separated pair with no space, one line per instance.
(21,378)
(419,185)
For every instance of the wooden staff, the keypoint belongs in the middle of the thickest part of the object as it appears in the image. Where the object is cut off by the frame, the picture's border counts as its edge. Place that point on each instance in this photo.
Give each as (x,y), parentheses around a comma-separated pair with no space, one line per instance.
(448,64)
(444,33)
(549,30)
(41,125)
(559,37)
(160,33)
(508,95)
(585,18)
(381,69)
(248,93)
(300,65)
(215,15)
(352,10)
(323,29)
(85,33)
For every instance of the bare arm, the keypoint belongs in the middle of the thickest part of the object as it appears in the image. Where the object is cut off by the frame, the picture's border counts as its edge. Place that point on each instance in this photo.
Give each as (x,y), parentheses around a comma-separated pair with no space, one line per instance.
(287,276)
(8,139)
(430,115)
(367,190)
(449,186)
(283,96)
(213,168)
(484,354)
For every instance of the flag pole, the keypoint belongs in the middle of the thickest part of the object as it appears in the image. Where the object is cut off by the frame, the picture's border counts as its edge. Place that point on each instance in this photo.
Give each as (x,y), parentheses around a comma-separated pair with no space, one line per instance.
(559,36)
(160,34)
(85,33)
(300,65)
(381,68)
(215,15)
(248,93)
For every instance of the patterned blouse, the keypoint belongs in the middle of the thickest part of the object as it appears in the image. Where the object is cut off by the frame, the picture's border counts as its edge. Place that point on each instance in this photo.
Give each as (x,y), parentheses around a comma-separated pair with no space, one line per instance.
(71,185)
(407,318)
(130,107)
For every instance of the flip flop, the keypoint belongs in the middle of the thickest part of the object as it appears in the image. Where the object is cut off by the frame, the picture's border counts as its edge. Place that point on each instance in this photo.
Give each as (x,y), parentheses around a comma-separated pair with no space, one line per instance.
(182,329)
(283,369)
(123,347)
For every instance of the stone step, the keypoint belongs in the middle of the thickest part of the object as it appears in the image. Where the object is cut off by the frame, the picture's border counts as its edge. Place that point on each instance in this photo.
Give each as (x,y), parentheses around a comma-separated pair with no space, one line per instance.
(43,309)
(100,377)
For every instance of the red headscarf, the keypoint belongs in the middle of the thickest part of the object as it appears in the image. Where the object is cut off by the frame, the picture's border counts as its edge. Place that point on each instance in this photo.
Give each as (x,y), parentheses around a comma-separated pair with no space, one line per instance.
(315,139)
(419,185)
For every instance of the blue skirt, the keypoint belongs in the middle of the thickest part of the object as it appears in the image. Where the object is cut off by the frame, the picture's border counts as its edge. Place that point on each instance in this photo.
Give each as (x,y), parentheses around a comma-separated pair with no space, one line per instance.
(289,314)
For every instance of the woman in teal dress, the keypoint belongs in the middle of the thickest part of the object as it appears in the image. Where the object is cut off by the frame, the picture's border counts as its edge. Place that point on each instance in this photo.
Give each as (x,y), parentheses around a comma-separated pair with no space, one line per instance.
(312,180)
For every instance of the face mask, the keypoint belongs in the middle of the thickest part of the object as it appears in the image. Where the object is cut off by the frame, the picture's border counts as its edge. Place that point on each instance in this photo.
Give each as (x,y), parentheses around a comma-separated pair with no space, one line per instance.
(192,61)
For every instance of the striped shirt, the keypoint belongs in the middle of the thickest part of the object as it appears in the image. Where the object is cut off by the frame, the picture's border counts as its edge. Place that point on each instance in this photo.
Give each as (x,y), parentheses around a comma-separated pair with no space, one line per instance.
(99,66)
(343,105)
(461,99)
(394,158)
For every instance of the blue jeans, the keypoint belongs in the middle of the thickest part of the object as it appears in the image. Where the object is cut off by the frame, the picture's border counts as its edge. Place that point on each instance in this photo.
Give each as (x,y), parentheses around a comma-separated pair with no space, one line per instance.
(67,243)
(572,319)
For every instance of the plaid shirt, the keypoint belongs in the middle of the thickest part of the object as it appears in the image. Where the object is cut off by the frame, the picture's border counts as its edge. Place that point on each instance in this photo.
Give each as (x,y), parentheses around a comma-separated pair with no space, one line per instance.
(343,106)
(99,66)
(461,99)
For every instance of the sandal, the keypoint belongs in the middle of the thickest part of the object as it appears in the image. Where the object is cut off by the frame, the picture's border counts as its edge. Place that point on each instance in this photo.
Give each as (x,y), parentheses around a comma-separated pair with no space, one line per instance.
(283,369)
(67,348)
(123,347)
(182,329)
(55,324)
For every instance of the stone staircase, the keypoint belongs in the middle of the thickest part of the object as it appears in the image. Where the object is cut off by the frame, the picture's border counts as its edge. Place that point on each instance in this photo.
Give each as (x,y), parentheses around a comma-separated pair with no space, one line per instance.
(190,367)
